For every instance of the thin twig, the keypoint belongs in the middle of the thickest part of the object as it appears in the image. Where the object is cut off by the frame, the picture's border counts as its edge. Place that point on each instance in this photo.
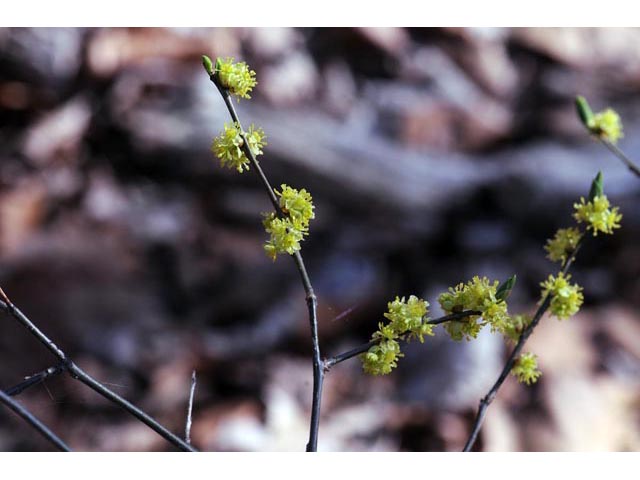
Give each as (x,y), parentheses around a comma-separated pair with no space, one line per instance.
(192,392)
(35,379)
(488,398)
(330,362)
(620,154)
(33,421)
(80,375)
(310,297)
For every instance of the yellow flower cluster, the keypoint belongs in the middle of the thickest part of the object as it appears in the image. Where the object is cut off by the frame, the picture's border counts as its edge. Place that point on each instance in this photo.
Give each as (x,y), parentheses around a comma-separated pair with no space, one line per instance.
(563,244)
(478,294)
(228,146)
(282,237)
(566,298)
(526,368)
(407,319)
(607,124)
(597,214)
(238,78)
(286,233)
(381,358)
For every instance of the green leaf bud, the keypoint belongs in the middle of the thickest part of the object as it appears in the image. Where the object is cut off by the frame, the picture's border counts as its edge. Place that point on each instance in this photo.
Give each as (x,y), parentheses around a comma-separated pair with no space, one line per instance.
(596,187)
(504,290)
(207,64)
(585,113)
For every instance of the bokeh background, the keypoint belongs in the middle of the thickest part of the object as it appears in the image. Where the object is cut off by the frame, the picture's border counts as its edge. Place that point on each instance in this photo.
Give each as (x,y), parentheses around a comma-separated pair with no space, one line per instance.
(432,155)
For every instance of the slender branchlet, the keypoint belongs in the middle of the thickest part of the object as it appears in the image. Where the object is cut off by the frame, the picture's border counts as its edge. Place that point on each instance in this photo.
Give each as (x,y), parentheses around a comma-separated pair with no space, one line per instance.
(28,417)
(613,148)
(35,379)
(606,127)
(232,79)
(78,374)
(354,352)
(562,298)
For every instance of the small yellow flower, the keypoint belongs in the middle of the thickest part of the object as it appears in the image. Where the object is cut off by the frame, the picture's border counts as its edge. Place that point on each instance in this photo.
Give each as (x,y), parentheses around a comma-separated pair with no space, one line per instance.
(297,204)
(380,359)
(597,214)
(408,316)
(407,319)
(495,314)
(467,328)
(228,146)
(477,294)
(607,125)
(256,139)
(563,244)
(238,78)
(284,237)
(526,368)
(566,298)
(287,232)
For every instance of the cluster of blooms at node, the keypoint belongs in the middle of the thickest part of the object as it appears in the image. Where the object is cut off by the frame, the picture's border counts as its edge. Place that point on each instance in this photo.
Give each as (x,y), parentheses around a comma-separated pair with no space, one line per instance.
(563,244)
(382,357)
(286,232)
(526,368)
(228,146)
(605,124)
(479,294)
(288,227)
(237,78)
(597,214)
(566,298)
(608,125)
(407,320)
(516,326)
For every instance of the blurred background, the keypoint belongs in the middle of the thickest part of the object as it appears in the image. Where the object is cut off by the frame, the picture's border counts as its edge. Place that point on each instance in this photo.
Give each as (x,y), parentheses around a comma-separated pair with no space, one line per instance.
(432,155)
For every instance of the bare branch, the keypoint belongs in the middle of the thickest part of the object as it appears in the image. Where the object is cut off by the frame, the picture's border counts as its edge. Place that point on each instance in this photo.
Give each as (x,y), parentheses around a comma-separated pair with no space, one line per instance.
(621,155)
(27,416)
(35,379)
(80,375)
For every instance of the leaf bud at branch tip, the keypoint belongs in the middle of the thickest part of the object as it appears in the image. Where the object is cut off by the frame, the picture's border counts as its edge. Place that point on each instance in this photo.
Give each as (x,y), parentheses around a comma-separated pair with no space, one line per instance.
(596,187)
(584,112)
(207,64)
